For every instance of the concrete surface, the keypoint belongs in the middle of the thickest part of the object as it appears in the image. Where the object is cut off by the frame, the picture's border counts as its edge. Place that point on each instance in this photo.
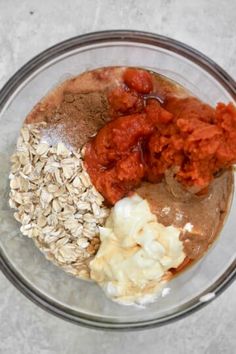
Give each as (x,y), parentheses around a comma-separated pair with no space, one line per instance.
(26,28)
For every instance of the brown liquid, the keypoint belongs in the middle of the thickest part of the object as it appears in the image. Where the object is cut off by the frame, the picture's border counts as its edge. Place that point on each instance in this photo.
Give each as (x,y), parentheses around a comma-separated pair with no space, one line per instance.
(78,108)
(199,217)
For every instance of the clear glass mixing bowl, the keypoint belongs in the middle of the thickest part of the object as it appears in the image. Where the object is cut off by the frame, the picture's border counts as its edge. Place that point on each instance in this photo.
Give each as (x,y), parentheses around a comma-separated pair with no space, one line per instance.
(76,300)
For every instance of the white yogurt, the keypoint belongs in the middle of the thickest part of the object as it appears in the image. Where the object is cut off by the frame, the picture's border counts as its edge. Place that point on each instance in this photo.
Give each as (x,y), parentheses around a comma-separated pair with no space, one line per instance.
(135,253)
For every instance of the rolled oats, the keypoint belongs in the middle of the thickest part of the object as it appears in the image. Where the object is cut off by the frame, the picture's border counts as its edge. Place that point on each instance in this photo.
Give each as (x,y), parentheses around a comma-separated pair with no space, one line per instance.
(56,202)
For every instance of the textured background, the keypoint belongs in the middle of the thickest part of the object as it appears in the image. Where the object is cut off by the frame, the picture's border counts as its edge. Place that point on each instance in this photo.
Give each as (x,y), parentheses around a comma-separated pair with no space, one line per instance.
(30,26)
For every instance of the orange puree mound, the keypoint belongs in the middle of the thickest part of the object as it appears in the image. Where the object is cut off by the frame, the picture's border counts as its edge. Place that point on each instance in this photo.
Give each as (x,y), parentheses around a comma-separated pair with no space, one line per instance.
(187,135)
(138,80)
(114,159)
(122,100)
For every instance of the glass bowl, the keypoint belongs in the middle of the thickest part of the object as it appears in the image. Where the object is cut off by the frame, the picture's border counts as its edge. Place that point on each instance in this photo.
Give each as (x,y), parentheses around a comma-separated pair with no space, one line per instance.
(51,288)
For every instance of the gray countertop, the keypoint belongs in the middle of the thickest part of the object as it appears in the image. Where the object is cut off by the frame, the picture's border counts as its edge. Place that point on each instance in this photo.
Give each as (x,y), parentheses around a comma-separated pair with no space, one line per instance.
(30,26)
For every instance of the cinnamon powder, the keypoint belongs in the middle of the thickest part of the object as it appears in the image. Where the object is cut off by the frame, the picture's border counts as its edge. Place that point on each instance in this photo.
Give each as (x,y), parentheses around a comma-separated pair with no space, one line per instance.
(76,118)
(80,116)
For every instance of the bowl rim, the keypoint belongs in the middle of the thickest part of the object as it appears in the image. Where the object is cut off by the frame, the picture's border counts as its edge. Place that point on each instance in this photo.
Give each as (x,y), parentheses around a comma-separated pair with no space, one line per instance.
(61,48)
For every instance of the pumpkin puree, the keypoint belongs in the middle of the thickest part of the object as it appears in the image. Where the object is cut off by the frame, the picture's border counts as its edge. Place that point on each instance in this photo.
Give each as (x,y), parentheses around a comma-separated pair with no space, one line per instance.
(145,139)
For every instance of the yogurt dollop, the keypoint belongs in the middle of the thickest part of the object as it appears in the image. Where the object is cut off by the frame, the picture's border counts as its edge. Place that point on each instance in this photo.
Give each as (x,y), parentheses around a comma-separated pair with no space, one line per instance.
(135,253)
